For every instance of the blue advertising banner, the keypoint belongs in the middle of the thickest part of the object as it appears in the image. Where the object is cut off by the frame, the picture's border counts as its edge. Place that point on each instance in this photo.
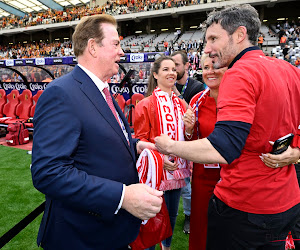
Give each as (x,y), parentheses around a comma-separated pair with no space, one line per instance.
(36,86)
(9,86)
(69,60)
(136,88)
(20,86)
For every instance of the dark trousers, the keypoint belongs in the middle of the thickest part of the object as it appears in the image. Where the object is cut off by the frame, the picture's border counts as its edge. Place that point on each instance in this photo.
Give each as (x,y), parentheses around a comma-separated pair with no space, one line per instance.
(231,229)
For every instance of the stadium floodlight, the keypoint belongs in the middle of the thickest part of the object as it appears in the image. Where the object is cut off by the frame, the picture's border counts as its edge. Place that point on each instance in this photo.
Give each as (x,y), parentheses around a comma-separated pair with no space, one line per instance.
(138,31)
(164,29)
(193,27)
(152,30)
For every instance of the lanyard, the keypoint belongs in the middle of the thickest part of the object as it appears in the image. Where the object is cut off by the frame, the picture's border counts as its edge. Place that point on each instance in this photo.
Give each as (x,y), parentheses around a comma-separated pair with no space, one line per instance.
(199,102)
(184,87)
(123,128)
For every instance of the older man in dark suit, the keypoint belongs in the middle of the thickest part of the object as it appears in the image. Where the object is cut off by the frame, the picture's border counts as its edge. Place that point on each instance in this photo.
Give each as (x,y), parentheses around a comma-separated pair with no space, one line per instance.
(83,154)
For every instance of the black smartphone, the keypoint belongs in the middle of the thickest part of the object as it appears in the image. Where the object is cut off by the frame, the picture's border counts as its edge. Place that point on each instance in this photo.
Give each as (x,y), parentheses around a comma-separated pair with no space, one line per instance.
(282,144)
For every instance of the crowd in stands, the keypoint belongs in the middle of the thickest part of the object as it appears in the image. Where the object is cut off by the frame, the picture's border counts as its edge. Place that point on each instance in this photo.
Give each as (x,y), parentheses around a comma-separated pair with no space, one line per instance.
(38,49)
(289,40)
(113,7)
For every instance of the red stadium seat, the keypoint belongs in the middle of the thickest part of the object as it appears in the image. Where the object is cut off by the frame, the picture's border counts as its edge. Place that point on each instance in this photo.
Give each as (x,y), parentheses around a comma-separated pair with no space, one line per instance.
(136,98)
(9,109)
(23,108)
(131,103)
(32,110)
(2,101)
(35,99)
(121,101)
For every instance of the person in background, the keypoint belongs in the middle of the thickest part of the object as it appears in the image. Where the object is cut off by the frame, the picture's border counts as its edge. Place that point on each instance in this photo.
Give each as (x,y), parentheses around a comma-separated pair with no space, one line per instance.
(199,122)
(161,112)
(186,88)
(83,156)
(250,200)
(260,41)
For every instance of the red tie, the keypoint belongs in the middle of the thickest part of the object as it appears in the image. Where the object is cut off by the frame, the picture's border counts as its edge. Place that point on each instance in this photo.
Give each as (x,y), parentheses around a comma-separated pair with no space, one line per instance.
(110,103)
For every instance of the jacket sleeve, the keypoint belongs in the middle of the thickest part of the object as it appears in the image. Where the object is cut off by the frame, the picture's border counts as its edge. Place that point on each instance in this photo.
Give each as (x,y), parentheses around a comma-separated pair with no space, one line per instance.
(142,121)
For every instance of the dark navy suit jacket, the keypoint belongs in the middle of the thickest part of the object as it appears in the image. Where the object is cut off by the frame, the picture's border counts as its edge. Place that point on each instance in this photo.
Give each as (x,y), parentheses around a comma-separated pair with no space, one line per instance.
(80,161)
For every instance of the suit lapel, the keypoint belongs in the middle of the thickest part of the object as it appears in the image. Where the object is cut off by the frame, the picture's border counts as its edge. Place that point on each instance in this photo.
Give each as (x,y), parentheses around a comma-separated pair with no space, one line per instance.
(89,88)
(122,116)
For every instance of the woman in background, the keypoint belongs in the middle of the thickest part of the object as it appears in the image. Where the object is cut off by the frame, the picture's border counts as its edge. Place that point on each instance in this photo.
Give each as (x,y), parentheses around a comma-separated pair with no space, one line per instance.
(161,112)
(199,123)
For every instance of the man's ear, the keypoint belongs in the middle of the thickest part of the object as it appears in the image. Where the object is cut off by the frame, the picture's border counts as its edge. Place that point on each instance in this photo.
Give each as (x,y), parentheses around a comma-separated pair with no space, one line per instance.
(186,66)
(91,47)
(241,34)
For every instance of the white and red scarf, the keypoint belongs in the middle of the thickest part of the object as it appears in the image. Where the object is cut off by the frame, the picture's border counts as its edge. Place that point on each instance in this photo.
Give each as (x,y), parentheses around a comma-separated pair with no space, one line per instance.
(170,112)
(150,168)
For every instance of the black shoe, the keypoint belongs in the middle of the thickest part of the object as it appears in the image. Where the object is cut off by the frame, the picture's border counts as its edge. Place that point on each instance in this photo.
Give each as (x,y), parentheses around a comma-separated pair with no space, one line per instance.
(186,226)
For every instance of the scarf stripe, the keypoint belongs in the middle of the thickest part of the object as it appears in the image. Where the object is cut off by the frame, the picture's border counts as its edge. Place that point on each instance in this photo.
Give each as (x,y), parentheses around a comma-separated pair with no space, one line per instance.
(170,114)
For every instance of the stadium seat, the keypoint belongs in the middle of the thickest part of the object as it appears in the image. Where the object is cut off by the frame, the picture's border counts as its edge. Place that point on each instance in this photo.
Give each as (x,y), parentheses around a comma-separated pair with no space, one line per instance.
(32,110)
(23,108)
(121,102)
(9,109)
(130,104)
(2,101)
(136,98)
(35,99)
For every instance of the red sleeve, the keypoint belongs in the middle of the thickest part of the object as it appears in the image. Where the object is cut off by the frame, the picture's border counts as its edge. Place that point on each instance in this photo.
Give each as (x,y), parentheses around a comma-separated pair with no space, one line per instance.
(296,140)
(142,121)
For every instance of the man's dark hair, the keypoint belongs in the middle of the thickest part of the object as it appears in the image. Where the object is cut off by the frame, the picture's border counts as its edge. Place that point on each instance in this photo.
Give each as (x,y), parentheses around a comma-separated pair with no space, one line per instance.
(231,18)
(183,56)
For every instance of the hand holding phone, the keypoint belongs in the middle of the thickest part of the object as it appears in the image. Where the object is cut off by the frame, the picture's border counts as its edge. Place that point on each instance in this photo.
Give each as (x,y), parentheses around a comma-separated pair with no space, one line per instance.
(282,144)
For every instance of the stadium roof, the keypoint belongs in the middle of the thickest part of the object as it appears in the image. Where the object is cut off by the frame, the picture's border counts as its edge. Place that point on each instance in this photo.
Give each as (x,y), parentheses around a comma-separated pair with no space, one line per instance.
(22,7)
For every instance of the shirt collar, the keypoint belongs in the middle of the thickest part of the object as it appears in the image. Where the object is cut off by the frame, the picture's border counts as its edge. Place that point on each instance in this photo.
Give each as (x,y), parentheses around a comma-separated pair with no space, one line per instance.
(241,54)
(100,85)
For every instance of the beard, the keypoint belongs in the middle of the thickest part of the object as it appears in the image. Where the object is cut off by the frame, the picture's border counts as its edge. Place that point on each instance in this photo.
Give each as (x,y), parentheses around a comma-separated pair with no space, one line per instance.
(223,58)
(180,75)
(217,61)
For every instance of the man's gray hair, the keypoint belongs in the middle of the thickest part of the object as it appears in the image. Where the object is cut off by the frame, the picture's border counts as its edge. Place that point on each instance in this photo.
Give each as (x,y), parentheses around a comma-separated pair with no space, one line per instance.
(232,17)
